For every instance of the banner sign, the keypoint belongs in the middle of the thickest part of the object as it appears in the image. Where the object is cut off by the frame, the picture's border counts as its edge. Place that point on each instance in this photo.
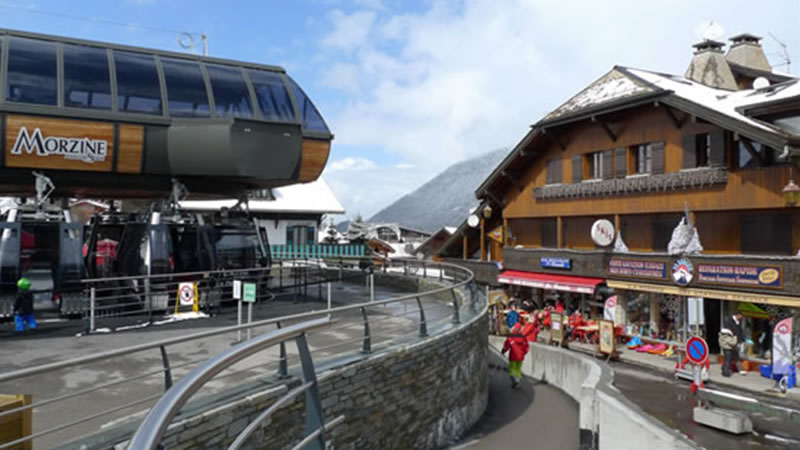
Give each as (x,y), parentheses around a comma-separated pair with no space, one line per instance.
(782,347)
(637,268)
(610,309)
(736,275)
(556,263)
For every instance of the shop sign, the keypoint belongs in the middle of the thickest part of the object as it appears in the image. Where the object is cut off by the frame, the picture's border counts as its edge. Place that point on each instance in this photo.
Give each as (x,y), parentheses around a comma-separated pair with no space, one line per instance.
(606,331)
(602,233)
(682,272)
(736,275)
(637,268)
(496,234)
(782,347)
(556,263)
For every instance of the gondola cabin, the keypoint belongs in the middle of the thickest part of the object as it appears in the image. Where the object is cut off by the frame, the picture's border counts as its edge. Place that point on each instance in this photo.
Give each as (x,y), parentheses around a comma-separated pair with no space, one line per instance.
(112,121)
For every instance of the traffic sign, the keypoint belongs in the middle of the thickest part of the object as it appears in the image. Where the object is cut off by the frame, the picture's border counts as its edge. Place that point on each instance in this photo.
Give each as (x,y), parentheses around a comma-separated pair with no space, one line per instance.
(697,350)
(186,293)
(249,292)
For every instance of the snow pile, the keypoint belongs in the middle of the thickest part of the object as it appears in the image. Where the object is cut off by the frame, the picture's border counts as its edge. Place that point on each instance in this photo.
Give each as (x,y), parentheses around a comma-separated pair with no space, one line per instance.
(191,315)
(685,240)
(619,244)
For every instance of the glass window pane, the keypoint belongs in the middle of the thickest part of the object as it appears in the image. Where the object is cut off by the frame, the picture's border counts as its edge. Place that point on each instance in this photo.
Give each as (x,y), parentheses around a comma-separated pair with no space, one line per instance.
(138,88)
(86,80)
(231,97)
(186,90)
(32,73)
(312,120)
(272,96)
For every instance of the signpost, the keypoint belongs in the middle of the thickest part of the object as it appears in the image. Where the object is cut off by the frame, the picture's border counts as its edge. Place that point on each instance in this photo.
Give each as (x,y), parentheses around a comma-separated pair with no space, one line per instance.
(249,297)
(697,354)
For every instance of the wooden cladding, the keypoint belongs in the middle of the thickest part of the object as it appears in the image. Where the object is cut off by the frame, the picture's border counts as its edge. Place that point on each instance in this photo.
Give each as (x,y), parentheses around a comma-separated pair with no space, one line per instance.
(131,144)
(314,159)
(34,142)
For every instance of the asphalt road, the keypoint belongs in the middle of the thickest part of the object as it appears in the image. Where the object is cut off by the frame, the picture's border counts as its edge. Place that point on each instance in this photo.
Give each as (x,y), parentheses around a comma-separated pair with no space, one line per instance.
(671,402)
(535,416)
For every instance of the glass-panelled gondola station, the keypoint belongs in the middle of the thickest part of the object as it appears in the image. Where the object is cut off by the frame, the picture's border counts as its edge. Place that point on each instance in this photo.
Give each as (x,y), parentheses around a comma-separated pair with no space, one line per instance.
(124,121)
(104,121)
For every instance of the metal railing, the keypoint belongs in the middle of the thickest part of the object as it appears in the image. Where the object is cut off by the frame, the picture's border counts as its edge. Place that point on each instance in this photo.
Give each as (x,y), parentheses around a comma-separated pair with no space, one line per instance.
(437,309)
(322,251)
(152,429)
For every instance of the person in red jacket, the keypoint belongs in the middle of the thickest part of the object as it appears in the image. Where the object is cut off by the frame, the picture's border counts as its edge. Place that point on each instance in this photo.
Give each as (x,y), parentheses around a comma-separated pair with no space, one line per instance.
(517,347)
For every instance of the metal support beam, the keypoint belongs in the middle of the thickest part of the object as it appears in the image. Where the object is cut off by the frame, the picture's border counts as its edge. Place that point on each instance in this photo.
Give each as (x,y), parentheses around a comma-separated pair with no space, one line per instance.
(167,370)
(314,418)
(367,347)
(283,364)
(423,325)
(456,316)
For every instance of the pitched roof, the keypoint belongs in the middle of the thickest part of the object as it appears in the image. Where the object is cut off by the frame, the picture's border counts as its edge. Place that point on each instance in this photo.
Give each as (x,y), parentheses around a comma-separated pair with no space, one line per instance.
(315,197)
(623,88)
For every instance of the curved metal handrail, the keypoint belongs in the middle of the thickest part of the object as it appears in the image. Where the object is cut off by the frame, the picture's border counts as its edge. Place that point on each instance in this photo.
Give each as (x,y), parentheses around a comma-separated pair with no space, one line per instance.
(16,374)
(152,429)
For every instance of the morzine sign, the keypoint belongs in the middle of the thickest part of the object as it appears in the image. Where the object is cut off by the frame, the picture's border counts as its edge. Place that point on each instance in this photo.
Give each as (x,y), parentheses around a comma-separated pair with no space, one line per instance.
(47,143)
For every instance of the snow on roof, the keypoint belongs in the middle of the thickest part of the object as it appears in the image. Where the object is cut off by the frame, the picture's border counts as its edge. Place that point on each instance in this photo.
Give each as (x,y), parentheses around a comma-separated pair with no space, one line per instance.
(719,100)
(450,230)
(315,197)
(614,85)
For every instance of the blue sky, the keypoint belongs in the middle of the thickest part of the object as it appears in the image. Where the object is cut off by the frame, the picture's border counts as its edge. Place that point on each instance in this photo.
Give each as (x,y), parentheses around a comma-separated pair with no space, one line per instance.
(410,87)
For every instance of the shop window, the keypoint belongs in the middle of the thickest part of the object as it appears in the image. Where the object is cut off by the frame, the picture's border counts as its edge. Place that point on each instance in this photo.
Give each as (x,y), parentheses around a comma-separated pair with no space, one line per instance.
(87,83)
(549,233)
(138,87)
(186,90)
(273,99)
(32,72)
(312,120)
(767,234)
(231,96)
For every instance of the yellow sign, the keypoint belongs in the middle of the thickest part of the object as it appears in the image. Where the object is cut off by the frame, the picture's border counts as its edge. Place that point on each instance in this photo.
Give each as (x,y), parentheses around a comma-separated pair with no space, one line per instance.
(496,234)
(733,296)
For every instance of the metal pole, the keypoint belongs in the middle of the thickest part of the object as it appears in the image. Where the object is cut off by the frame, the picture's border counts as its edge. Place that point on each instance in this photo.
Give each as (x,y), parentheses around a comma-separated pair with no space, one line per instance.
(456,317)
(697,316)
(372,287)
(204,37)
(283,364)
(329,296)
(92,299)
(249,319)
(367,346)
(239,320)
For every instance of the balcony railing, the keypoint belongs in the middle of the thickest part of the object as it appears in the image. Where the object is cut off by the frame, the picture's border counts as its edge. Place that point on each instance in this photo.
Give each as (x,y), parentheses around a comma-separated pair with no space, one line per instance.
(319,251)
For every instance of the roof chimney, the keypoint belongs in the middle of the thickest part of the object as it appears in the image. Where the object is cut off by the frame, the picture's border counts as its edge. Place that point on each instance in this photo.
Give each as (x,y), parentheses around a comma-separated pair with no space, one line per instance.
(746,51)
(709,66)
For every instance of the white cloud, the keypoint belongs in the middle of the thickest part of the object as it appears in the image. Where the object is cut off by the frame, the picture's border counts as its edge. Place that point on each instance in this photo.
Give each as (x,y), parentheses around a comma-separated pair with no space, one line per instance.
(349,31)
(403,166)
(350,164)
(459,78)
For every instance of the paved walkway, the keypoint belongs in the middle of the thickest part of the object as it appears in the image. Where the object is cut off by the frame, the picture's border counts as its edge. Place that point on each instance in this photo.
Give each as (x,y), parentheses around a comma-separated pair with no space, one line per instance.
(535,416)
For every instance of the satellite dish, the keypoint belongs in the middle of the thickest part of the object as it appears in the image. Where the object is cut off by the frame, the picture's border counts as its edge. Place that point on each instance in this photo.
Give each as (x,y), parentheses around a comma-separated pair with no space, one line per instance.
(710,30)
(760,83)
(186,41)
(473,221)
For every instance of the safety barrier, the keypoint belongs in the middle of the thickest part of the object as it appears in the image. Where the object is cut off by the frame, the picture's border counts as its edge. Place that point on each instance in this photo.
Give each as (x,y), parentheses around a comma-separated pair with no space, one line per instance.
(322,251)
(427,305)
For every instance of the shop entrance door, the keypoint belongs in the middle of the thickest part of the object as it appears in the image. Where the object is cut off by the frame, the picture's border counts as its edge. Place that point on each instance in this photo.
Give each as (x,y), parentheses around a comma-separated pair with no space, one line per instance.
(711,309)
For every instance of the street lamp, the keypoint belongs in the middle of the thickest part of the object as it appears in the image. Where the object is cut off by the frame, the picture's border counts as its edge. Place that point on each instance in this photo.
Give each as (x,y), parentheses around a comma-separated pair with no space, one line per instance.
(791,192)
(487,212)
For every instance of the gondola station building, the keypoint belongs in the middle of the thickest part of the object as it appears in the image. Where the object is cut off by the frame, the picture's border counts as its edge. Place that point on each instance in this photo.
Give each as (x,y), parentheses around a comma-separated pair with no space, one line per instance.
(659,189)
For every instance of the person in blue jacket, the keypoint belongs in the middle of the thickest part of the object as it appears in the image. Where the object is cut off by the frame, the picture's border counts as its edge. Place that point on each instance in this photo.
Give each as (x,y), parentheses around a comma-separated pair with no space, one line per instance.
(23,306)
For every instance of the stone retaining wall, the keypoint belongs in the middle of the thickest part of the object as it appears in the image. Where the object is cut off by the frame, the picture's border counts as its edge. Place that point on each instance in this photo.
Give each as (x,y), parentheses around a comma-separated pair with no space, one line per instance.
(607,420)
(420,395)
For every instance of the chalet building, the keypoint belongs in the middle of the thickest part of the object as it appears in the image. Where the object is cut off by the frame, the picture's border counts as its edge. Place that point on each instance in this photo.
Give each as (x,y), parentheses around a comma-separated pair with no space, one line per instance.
(715,148)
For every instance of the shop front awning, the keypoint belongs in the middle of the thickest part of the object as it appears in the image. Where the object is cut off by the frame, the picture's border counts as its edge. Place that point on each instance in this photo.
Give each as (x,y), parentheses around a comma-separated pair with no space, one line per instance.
(565,283)
(719,294)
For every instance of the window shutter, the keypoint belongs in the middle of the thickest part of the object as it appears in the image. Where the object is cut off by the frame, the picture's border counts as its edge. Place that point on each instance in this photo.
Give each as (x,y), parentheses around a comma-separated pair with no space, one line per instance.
(689,152)
(557,171)
(718,148)
(621,162)
(549,179)
(577,168)
(608,164)
(657,157)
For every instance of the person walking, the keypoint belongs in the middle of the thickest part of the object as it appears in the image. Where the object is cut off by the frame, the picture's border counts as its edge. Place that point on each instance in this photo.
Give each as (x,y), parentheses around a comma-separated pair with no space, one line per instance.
(23,306)
(729,338)
(517,347)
